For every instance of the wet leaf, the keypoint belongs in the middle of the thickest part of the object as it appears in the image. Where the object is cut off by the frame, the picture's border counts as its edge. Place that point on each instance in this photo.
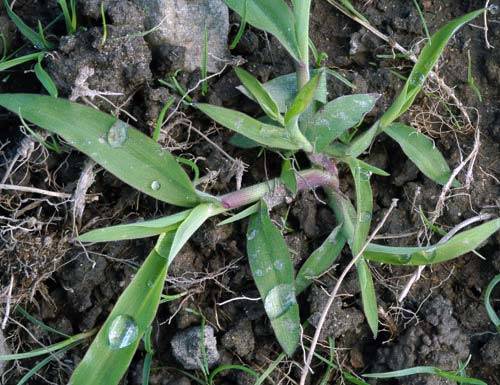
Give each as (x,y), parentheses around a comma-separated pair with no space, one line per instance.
(422,152)
(135,158)
(302,100)
(260,94)
(320,260)
(487,302)
(288,176)
(274,17)
(135,230)
(458,245)
(336,117)
(272,270)
(265,134)
(104,364)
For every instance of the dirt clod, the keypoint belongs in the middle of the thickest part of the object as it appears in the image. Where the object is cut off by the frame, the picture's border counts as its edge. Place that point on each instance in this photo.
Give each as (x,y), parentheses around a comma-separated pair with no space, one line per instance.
(187,348)
(240,338)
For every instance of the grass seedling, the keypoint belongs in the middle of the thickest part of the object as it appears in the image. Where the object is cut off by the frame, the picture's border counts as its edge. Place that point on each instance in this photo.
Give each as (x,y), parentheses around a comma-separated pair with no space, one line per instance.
(104,25)
(69,13)
(487,302)
(298,118)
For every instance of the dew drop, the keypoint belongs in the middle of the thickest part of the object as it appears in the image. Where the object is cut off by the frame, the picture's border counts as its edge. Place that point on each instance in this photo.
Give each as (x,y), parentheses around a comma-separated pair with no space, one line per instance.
(494,9)
(251,235)
(155,185)
(405,258)
(118,134)
(102,139)
(122,332)
(258,273)
(364,174)
(365,217)
(430,253)
(279,265)
(279,299)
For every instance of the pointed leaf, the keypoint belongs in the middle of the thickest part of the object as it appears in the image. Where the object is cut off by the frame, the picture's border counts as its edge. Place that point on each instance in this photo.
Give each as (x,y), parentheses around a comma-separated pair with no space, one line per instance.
(422,152)
(458,245)
(119,148)
(45,79)
(303,99)
(320,260)
(274,17)
(104,364)
(272,270)
(260,94)
(288,176)
(135,230)
(265,134)
(336,117)
(368,296)
(241,215)
(487,302)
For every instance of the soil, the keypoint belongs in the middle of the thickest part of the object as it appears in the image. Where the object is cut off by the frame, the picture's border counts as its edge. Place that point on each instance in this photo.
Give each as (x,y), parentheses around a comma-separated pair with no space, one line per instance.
(443,320)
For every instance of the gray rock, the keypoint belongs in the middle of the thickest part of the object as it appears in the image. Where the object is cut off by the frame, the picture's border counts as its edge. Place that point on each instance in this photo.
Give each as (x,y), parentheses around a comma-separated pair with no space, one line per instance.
(181,28)
(186,347)
(3,350)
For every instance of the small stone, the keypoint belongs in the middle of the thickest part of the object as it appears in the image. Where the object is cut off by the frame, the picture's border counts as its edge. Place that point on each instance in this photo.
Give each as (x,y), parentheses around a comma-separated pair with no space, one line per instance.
(186,347)
(3,350)
(181,25)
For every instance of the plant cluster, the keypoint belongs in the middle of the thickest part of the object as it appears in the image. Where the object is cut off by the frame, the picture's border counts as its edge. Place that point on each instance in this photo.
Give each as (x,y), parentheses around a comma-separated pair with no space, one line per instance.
(298,117)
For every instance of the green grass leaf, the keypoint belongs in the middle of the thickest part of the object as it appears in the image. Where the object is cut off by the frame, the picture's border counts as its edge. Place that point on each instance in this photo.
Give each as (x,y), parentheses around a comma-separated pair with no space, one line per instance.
(487,302)
(283,90)
(458,245)
(272,270)
(345,213)
(121,149)
(368,296)
(135,230)
(303,99)
(35,38)
(106,362)
(422,152)
(194,220)
(288,176)
(336,117)
(5,65)
(320,260)
(45,79)
(259,94)
(427,370)
(241,215)
(265,134)
(274,17)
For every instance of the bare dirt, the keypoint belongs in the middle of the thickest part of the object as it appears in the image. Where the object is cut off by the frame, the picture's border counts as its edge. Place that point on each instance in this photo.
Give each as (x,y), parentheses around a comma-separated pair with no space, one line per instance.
(441,322)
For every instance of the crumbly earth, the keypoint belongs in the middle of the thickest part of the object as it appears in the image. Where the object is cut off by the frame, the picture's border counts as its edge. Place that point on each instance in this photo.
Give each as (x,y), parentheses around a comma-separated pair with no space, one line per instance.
(441,322)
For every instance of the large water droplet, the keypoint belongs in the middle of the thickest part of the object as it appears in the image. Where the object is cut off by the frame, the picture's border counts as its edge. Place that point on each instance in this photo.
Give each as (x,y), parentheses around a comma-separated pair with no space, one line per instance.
(155,185)
(364,174)
(122,332)
(118,134)
(279,299)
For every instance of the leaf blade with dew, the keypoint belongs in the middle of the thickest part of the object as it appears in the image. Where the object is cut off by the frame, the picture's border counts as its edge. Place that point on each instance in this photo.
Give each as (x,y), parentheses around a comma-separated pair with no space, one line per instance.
(456,246)
(35,38)
(45,79)
(425,62)
(272,270)
(426,370)
(104,363)
(193,221)
(487,302)
(422,152)
(260,94)
(283,90)
(364,208)
(336,117)
(274,17)
(241,215)
(288,176)
(320,260)
(303,99)
(5,65)
(265,134)
(121,149)
(147,228)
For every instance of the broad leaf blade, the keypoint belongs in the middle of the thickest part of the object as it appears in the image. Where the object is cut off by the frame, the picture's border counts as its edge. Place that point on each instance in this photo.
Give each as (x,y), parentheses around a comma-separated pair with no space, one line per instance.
(135,230)
(265,134)
(272,270)
(320,260)
(274,17)
(458,245)
(103,365)
(336,117)
(260,94)
(422,152)
(137,159)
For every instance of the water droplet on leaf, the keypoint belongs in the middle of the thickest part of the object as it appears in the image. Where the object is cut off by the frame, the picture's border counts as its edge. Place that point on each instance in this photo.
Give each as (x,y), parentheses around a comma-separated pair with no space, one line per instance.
(365,217)
(251,235)
(405,258)
(494,9)
(258,273)
(279,265)
(155,185)
(122,332)
(279,299)
(118,134)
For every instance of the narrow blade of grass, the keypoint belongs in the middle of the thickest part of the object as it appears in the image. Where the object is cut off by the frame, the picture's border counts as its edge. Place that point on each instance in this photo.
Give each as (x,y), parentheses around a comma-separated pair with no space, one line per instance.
(288,176)
(121,149)
(487,302)
(242,214)
(303,99)
(105,363)
(223,368)
(241,29)
(272,270)
(45,79)
(5,65)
